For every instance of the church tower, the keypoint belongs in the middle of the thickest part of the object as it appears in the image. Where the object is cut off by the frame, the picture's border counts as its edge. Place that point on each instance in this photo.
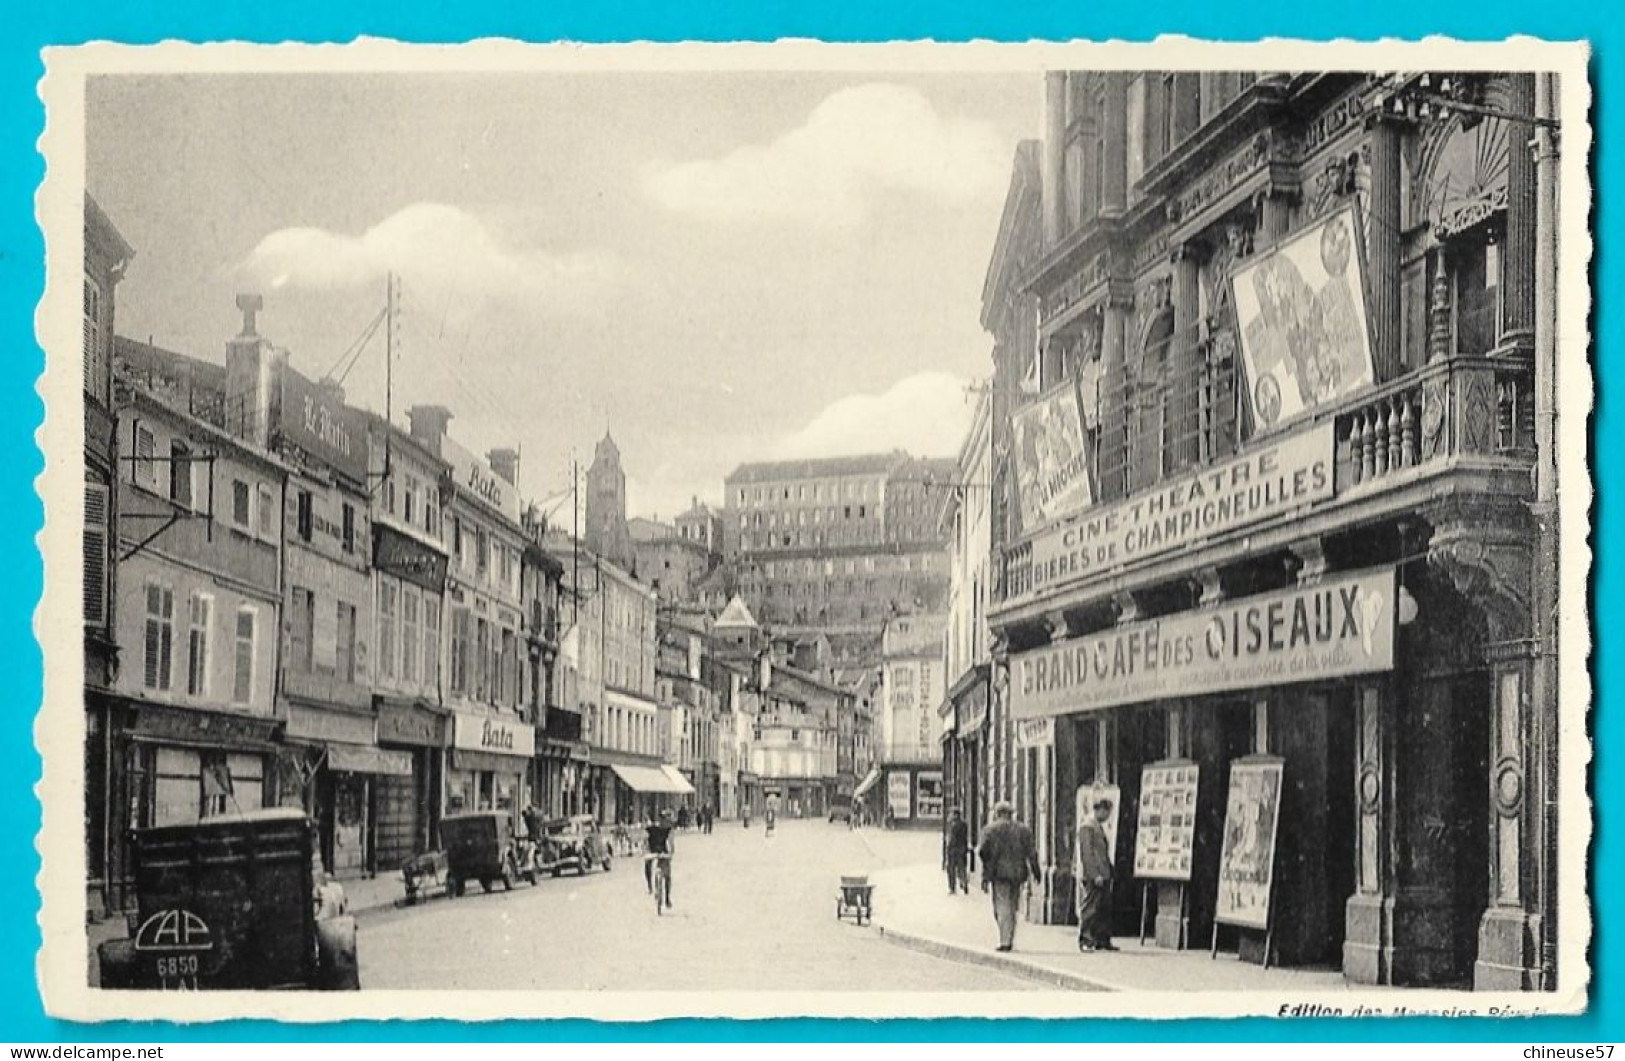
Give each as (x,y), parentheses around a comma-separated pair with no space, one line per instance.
(606,530)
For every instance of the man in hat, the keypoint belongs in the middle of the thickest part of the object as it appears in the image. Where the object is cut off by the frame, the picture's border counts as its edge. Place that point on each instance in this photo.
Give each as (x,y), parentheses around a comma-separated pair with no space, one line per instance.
(1094,880)
(1009,859)
(955,849)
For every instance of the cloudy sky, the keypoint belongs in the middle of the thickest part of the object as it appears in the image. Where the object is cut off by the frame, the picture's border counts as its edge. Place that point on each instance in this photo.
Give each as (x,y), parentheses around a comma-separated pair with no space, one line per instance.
(716,267)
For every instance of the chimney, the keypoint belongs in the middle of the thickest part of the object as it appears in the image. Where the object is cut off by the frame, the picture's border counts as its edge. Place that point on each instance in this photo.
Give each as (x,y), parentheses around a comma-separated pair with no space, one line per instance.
(505,462)
(253,378)
(429,424)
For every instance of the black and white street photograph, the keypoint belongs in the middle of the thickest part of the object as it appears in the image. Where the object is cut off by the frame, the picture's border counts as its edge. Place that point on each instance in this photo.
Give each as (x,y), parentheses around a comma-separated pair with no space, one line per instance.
(648,531)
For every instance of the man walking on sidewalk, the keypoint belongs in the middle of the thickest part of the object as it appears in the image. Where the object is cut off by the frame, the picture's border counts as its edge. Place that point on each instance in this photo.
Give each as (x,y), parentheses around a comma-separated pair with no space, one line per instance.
(1009,858)
(1094,880)
(955,848)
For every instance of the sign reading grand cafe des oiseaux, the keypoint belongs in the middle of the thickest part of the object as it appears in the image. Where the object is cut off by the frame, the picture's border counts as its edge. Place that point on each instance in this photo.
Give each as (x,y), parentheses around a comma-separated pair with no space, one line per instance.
(1341,626)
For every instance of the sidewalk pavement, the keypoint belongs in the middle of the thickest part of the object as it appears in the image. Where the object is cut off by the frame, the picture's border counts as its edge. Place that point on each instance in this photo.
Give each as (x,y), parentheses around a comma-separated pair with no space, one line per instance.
(912,908)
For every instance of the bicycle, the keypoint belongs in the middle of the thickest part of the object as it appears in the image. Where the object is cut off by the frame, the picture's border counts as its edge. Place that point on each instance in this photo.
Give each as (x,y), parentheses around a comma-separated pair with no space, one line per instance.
(661,883)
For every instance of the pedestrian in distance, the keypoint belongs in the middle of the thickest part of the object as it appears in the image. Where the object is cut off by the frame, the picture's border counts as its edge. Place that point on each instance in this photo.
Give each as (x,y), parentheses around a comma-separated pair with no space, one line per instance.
(956,853)
(1094,872)
(1009,859)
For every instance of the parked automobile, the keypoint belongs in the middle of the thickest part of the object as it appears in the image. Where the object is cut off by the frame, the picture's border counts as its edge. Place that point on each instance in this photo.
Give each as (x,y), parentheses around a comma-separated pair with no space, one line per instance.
(234,903)
(841,812)
(575,843)
(481,846)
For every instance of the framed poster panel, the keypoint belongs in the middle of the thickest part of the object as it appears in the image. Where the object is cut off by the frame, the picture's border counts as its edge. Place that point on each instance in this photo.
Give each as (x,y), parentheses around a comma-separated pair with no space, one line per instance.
(1052,461)
(1165,830)
(1301,316)
(1247,858)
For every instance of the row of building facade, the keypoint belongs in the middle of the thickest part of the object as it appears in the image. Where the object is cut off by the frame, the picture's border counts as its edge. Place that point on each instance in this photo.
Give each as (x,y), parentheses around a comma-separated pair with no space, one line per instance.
(1183,264)
(289,601)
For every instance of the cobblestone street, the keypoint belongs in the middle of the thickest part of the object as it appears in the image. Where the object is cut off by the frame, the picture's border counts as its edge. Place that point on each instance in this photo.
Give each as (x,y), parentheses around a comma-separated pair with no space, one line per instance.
(750,913)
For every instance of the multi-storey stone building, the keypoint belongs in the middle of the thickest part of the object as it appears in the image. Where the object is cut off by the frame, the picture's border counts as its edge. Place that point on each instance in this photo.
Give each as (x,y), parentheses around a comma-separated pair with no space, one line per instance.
(1285,325)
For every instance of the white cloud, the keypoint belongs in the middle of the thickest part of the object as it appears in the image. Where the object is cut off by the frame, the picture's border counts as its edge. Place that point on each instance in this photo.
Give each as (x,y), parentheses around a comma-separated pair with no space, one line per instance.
(858,142)
(443,248)
(927,414)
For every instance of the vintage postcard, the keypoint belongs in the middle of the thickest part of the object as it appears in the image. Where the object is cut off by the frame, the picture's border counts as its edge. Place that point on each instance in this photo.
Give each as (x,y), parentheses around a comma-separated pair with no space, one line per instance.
(788,529)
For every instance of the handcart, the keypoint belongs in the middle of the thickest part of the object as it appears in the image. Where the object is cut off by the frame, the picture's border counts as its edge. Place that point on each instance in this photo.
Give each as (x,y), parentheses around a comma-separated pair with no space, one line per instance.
(854,900)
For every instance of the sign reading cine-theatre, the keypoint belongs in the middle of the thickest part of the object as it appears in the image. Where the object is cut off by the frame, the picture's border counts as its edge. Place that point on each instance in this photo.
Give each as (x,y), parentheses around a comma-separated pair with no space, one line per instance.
(1339,627)
(1268,480)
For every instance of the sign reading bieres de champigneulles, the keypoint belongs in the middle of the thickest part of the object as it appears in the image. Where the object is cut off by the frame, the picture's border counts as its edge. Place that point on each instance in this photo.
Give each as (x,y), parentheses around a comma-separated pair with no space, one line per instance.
(1268,480)
(1336,628)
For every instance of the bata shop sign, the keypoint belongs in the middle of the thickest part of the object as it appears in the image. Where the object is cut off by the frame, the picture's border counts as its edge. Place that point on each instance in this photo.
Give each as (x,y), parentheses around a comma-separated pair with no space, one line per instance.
(1342,626)
(1266,481)
(496,736)
(475,475)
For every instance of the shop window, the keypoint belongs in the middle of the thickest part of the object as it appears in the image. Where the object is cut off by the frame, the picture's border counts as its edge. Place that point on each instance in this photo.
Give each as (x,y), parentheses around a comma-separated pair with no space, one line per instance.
(242,682)
(95,558)
(200,609)
(159,640)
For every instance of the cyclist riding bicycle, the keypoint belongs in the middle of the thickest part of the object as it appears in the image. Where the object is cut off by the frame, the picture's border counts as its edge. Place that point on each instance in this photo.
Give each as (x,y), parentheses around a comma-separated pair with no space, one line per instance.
(658,843)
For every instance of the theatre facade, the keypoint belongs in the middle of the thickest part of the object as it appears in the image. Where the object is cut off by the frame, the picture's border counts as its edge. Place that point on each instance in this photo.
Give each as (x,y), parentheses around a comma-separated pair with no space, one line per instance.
(1280,611)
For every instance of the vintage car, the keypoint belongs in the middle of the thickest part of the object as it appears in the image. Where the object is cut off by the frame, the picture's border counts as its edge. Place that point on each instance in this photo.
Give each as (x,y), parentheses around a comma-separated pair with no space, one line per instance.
(481,846)
(236,902)
(574,843)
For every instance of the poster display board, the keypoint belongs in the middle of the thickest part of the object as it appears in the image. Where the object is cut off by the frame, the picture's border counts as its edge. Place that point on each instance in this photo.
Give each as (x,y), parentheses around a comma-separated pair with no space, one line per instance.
(1088,796)
(1166,828)
(1052,462)
(1247,858)
(1301,311)
(899,785)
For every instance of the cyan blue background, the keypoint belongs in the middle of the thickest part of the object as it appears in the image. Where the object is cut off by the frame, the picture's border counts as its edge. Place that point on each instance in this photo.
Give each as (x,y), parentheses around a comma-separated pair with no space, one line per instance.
(28,25)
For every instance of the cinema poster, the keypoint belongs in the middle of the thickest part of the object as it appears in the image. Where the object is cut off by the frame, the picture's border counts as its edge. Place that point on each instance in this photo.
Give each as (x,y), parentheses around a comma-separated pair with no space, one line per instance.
(1247,859)
(1165,830)
(1053,468)
(1301,313)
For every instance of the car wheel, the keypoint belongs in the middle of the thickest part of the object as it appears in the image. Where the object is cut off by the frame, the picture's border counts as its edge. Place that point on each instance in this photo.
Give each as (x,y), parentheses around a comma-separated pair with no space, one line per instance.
(606,865)
(556,871)
(485,883)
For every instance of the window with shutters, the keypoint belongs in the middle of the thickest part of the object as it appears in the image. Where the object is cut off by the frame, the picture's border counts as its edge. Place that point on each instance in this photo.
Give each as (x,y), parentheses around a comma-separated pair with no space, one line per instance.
(159,640)
(409,633)
(344,652)
(409,501)
(95,355)
(431,642)
(388,618)
(96,539)
(200,611)
(240,504)
(347,528)
(482,658)
(268,512)
(180,473)
(302,630)
(242,678)
(304,514)
(146,468)
(460,678)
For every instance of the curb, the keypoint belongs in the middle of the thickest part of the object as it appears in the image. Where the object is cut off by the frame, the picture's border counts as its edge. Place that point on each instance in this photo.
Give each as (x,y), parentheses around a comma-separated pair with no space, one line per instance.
(992,960)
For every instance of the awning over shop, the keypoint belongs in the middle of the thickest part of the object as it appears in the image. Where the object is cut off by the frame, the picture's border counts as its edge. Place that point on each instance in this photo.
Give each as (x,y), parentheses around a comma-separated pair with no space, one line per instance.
(676,777)
(649,779)
(356,759)
(870,781)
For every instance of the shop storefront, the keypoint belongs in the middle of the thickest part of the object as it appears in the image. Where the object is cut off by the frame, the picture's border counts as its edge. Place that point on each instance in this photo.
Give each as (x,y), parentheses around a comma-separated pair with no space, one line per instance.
(333,756)
(490,757)
(407,802)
